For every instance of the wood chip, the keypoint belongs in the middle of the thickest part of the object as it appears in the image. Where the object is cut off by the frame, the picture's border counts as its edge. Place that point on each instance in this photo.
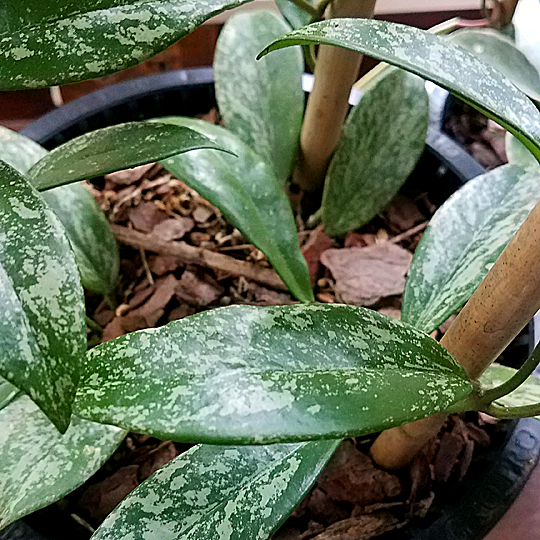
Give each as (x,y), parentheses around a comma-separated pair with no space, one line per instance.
(312,250)
(173,228)
(146,216)
(129,176)
(361,527)
(365,275)
(198,288)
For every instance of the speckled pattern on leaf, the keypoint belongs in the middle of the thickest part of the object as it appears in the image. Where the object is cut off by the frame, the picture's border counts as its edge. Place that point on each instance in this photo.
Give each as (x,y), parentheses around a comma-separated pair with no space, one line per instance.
(114,148)
(219,493)
(381,142)
(8,392)
(526,394)
(62,41)
(262,101)
(246,374)
(42,330)
(245,189)
(463,241)
(38,465)
(88,230)
(433,58)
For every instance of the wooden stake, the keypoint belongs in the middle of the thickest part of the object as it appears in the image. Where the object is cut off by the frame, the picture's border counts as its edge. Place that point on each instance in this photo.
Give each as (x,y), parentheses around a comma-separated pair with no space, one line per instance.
(336,71)
(504,303)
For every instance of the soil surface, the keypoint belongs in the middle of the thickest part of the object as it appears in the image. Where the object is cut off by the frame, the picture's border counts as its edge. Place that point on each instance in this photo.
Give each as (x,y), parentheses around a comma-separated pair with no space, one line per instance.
(353,499)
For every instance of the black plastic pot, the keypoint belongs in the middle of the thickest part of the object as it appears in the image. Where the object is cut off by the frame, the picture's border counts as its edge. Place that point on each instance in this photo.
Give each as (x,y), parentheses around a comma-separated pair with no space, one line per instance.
(476,504)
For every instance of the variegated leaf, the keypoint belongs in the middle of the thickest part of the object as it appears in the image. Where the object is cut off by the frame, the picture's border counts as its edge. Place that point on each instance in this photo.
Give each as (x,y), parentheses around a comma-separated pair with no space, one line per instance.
(42,330)
(463,241)
(245,189)
(112,149)
(89,233)
(7,393)
(518,154)
(500,52)
(262,102)
(57,42)
(248,375)
(38,465)
(381,142)
(213,492)
(294,15)
(527,393)
(431,57)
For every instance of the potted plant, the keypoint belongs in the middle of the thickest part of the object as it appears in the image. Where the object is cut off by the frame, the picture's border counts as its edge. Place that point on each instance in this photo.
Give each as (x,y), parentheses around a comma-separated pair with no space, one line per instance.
(284,375)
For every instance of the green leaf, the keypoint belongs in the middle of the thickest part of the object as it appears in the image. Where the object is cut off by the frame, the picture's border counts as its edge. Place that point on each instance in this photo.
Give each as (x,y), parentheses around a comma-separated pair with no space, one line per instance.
(40,466)
(262,102)
(7,393)
(42,330)
(294,15)
(500,52)
(526,394)
(252,375)
(211,493)
(112,149)
(518,154)
(381,142)
(88,230)
(58,42)
(245,189)
(434,58)
(463,240)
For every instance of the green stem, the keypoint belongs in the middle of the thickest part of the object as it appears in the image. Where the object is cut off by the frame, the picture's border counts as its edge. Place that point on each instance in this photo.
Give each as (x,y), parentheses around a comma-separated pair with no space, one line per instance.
(321,8)
(305,6)
(489,396)
(93,325)
(310,58)
(524,411)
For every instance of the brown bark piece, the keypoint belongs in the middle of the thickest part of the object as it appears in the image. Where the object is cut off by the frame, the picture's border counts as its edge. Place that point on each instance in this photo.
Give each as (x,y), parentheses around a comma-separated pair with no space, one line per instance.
(312,250)
(173,228)
(146,216)
(160,265)
(324,510)
(402,214)
(157,458)
(129,176)
(365,275)
(351,477)
(198,288)
(361,528)
(451,447)
(354,239)
(100,499)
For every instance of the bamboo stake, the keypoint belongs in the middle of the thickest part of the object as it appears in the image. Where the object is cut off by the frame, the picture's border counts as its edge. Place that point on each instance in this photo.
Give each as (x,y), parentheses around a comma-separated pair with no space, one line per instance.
(504,303)
(336,71)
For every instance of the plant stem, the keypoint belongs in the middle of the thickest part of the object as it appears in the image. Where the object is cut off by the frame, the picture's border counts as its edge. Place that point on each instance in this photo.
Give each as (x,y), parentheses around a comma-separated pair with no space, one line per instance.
(321,8)
(489,396)
(524,411)
(93,325)
(305,6)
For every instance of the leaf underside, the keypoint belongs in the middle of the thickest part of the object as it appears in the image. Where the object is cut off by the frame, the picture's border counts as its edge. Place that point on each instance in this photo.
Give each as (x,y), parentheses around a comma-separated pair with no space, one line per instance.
(114,148)
(294,15)
(58,42)
(212,492)
(245,189)
(260,101)
(463,240)
(88,230)
(38,465)
(381,142)
(433,58)
(248,375)
(42,330)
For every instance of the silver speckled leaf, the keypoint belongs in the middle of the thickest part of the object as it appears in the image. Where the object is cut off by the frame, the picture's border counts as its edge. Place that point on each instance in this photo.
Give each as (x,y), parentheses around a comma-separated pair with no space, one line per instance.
(245,189)
(38,465)
(42,329)
(8,393)
(463,241)
(88,230)
(114,148)
(381,142)
(62,41)
(219,493)
(518,154)
(527,393)
(434,58)
(500,51)
(261,101)
(249,375)
(294,15)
